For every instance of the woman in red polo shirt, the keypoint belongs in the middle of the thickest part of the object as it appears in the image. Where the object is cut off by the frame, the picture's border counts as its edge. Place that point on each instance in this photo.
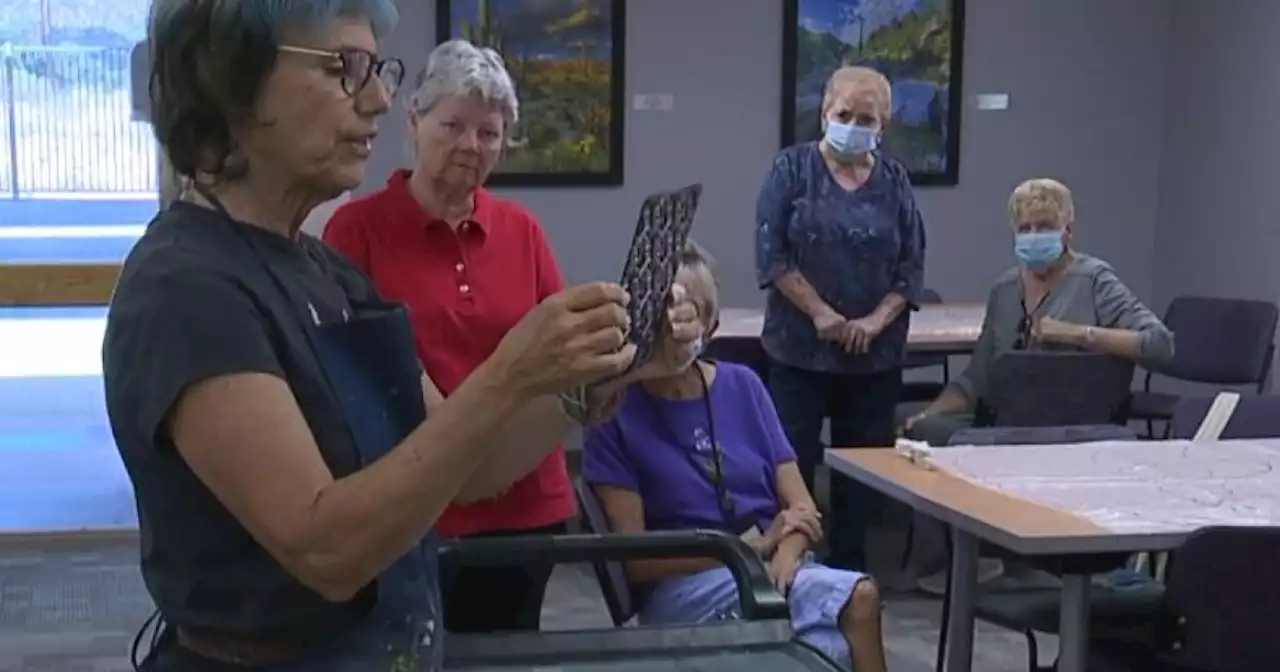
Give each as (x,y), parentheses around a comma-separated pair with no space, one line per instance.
(469,265)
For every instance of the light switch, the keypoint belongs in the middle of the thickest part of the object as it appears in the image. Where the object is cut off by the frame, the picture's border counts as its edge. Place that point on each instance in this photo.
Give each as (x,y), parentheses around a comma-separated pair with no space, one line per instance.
(656,102)
(992,101)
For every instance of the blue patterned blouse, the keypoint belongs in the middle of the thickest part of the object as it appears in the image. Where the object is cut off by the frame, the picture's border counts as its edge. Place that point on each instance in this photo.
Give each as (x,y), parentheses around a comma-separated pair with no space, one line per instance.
(854,246)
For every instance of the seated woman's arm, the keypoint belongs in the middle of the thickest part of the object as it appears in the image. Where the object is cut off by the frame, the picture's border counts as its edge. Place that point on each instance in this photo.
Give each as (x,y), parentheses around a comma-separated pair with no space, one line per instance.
(798,524)
(609,473)
(214,385)
(795,497)
(961,395)
(625,510)
(1127,328)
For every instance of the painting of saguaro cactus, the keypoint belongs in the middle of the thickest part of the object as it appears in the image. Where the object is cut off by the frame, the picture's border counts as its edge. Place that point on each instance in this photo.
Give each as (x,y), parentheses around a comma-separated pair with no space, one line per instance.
(567,60)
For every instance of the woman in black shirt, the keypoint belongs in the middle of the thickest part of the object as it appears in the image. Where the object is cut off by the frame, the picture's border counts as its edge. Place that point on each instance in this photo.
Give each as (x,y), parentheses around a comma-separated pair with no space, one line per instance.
(268,407)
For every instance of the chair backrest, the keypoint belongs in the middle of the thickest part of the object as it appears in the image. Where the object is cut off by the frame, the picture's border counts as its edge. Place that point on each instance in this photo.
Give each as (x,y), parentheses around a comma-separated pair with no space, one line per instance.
(745,351)
(1035,388)
(1255,417)
(1027,436)
(1224,594)
(611,575)
(1221,341)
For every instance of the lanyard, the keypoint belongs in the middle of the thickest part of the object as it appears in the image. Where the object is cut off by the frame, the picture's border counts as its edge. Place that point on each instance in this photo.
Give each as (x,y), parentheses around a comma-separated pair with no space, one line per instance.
(1025,325)
(714,472)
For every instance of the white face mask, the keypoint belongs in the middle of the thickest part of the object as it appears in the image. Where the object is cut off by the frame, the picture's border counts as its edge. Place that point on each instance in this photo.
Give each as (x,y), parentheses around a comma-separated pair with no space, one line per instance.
(696,351)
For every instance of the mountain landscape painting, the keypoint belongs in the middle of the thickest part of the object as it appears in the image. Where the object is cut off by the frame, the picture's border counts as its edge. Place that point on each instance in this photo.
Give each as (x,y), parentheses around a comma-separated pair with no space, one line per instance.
(917,44)
(566,57)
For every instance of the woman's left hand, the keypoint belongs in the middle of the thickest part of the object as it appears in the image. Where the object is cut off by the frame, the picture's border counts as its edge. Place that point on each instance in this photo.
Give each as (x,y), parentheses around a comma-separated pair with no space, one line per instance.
(860,332)
(679,344)
(783,568)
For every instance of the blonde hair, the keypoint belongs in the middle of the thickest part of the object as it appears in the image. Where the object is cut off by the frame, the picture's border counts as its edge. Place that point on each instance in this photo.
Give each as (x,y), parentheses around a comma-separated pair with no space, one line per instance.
(703,266)
(1039,197)
(863,79)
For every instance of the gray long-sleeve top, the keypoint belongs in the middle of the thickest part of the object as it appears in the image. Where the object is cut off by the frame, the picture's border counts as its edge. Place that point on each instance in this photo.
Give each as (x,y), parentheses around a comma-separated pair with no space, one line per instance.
(1090,294)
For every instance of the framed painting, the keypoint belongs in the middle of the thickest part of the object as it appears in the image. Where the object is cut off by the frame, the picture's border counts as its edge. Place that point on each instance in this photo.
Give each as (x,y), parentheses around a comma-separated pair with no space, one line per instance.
(917,44)
(567,58)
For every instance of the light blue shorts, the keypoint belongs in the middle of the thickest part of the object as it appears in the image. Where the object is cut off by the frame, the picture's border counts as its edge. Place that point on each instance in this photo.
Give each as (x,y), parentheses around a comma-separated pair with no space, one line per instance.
(816,600)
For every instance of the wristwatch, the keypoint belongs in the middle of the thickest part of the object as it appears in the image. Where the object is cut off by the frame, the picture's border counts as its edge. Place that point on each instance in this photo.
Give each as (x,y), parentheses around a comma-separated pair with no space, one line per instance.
(1090,335)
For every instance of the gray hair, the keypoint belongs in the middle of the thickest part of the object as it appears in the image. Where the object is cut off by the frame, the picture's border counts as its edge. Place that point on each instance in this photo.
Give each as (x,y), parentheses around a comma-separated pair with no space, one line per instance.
(200,88)
(459,67)
(698,260)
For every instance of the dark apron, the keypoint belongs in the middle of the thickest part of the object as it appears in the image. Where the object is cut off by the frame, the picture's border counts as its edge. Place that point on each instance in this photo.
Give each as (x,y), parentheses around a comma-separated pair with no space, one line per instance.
(372,368)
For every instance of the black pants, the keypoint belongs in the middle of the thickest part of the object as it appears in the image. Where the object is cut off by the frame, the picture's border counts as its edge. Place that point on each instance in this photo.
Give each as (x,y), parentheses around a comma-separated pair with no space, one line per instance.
(496,599)
(861,409)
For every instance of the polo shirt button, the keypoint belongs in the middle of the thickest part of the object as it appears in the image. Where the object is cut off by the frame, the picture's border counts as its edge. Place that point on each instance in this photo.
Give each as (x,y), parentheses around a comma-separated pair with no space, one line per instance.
(460,268)
(464,288)
(465,226)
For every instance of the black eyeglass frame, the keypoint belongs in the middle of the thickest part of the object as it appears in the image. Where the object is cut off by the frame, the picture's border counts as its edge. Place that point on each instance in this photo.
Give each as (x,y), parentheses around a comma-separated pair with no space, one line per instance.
(359,64)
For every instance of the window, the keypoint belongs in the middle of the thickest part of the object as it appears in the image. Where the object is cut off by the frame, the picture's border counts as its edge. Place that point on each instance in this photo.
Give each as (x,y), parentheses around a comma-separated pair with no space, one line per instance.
(77,175)
(78,181)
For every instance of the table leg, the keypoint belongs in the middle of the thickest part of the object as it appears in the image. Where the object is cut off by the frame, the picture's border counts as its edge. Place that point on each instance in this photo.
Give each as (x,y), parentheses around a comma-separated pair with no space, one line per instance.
(1073,624)
(964,589)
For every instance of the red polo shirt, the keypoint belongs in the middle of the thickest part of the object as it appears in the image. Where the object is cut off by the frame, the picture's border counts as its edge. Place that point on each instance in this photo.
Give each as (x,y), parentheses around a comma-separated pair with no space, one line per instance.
(464,289)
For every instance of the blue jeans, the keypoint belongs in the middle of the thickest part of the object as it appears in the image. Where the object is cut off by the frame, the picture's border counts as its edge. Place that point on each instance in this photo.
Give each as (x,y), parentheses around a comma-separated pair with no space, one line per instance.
(861,409)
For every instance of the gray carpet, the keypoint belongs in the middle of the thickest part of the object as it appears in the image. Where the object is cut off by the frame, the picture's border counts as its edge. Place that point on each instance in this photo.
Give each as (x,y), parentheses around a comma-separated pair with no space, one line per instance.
(76,608)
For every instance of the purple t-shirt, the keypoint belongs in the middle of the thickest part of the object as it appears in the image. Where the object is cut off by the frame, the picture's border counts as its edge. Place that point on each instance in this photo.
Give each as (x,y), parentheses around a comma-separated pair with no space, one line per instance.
(660,449)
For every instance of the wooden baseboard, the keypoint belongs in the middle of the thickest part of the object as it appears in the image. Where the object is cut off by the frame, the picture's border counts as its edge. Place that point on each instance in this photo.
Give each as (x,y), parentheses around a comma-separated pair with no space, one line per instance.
(69,539)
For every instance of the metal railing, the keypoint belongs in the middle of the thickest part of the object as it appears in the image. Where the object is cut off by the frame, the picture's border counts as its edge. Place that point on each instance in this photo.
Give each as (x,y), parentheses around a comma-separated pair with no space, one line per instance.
(65,125)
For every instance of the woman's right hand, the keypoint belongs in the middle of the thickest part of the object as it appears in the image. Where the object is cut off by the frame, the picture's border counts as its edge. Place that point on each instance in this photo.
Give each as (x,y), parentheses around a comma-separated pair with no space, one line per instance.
(831,326)
(572,338)
(911,422)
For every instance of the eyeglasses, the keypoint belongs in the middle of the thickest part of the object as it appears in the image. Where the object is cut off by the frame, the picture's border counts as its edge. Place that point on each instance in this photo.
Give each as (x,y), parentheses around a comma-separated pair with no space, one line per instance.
(358,67)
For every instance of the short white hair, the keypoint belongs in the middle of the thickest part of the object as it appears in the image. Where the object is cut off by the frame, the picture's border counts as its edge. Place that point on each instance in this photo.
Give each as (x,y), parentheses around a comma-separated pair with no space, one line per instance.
(1042,197)
(458,67)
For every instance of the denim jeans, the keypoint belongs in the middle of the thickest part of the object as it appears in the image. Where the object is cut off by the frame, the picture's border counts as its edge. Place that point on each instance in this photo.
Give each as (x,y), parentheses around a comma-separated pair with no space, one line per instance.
(861,409)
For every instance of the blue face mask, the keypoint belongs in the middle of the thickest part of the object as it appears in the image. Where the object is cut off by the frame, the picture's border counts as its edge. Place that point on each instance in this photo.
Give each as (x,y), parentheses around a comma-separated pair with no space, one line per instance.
(850,139)
(1037,250)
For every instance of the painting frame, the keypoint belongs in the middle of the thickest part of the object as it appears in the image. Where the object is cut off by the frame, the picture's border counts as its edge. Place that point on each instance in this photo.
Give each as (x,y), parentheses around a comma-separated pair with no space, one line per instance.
(949,175)
(614,174)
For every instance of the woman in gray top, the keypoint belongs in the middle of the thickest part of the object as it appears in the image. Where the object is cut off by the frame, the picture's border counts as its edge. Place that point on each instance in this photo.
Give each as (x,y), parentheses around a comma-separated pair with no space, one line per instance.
(1055,298)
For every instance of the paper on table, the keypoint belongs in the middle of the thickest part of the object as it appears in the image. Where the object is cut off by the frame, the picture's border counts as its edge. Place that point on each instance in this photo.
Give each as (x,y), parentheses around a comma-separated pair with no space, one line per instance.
(1135,487)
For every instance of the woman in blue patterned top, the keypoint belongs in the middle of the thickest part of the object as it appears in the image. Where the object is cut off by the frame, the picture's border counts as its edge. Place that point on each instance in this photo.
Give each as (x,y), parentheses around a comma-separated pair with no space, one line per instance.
(840,250)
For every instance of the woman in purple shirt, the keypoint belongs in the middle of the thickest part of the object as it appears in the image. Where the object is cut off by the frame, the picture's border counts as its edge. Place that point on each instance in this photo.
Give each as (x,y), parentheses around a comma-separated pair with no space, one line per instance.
(704,449)
(840,251)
